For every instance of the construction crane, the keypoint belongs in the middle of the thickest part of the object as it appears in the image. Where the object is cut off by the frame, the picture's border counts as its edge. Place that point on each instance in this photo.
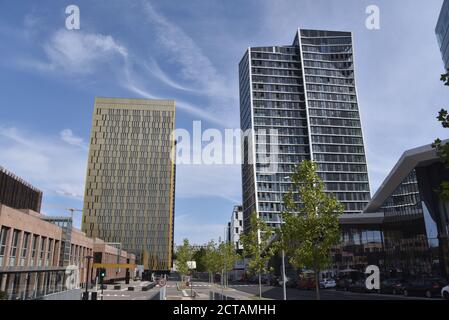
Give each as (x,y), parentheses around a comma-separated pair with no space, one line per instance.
(71,210)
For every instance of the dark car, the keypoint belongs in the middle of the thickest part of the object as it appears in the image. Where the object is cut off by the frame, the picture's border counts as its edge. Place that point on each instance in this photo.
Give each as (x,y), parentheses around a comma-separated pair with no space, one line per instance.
(306,284)
(291,283)
(343,284)
(358,286)
(254,279)
(427,287)
(392,286)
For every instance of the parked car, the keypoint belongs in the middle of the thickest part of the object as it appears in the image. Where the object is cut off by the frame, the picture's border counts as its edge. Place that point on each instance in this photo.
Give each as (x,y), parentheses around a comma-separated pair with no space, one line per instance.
(306,284)
(445,292)
(358,286)
(254,279)
(392,286)
(328,284)
(428,287)
(343,284)
(267,279)
(274,281)
(291,283)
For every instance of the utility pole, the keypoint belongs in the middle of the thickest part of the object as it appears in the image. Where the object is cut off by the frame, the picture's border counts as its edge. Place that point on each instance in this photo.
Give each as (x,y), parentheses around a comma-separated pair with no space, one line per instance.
(284,278)
(86,293)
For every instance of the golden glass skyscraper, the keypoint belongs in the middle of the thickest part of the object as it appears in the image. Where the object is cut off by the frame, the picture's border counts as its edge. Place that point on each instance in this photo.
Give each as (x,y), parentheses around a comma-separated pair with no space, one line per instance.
(130,184)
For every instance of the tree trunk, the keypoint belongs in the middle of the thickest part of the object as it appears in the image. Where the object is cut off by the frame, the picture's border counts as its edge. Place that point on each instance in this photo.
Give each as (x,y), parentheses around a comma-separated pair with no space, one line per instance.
(317,284)
(260,286)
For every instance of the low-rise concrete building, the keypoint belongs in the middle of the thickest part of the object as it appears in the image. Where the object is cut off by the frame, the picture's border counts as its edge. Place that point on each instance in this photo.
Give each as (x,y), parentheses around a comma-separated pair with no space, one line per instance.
(35,263)
(108,254)
(31,265)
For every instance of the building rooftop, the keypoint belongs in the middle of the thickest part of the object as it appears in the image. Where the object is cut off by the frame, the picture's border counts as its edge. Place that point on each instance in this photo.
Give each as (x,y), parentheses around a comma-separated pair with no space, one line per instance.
(411,159)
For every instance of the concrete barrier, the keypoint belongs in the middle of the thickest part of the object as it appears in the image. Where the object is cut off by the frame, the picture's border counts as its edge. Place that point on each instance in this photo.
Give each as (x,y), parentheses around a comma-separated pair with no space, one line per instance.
(218,296)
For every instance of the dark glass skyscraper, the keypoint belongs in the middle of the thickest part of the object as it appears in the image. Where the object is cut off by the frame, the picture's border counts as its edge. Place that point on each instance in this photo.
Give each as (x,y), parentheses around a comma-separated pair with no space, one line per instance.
(442,32)
(306,92)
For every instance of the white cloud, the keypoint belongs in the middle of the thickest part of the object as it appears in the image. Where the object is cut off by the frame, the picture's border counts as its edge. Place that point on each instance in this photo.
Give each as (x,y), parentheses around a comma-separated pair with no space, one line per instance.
(50,164)
(77,52)
(196,68)
(195,65)
(156,70)
(133,84)
(67,135)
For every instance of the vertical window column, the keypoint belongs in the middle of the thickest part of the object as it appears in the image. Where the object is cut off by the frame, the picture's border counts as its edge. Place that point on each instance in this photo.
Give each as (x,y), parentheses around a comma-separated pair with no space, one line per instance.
(14,248)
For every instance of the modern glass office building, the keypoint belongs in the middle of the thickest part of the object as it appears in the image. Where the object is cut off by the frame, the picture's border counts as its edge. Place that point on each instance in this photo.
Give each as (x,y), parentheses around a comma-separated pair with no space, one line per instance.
(300,102)
(130,184)
(405,227)
(442,32)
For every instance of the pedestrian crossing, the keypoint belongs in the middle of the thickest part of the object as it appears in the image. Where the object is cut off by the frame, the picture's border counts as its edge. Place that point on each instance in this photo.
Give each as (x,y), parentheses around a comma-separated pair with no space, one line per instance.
(194,285)
(243,285)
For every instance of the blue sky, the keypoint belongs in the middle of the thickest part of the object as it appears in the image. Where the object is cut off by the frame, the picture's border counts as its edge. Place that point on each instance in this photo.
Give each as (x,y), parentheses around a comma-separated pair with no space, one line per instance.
(189,51)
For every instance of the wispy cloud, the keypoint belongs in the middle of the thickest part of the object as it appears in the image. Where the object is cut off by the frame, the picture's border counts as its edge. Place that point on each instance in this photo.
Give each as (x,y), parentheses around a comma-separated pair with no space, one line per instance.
(68,136)
(183,50)
(53,165)
(153,67)
(133,83)
(77,52)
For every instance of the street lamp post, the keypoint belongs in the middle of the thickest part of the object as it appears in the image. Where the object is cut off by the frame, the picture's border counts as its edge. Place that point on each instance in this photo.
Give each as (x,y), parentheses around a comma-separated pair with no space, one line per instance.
(86,293)
(284,278)
(284,286)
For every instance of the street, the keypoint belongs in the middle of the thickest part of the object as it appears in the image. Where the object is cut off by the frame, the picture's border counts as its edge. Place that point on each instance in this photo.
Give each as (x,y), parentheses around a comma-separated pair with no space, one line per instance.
(296,294)
(202,291)
(124,294)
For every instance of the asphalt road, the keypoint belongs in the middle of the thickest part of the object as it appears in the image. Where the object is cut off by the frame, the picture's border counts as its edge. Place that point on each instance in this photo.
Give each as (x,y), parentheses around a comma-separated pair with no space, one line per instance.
(330,294)
(124,294)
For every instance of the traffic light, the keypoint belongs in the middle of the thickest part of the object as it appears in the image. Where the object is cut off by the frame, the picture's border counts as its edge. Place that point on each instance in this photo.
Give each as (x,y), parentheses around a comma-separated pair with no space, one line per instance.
(101,274)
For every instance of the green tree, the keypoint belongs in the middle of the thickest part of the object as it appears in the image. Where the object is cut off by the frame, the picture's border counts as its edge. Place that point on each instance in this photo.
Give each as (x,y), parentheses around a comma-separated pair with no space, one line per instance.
(198,256)
(256,247)
(311,226)
(183,255)
(211,260)
(443,149)
(227,257)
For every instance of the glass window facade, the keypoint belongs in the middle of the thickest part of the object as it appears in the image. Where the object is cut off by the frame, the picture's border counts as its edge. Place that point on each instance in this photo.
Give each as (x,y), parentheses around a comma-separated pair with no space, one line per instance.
(405,243)
(306,93)
(129,195)
(442,32)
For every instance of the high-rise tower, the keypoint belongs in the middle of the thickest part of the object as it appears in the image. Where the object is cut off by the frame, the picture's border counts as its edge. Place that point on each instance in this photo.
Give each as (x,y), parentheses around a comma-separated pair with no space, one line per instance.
(130,184)
(442,32)
(306,92)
